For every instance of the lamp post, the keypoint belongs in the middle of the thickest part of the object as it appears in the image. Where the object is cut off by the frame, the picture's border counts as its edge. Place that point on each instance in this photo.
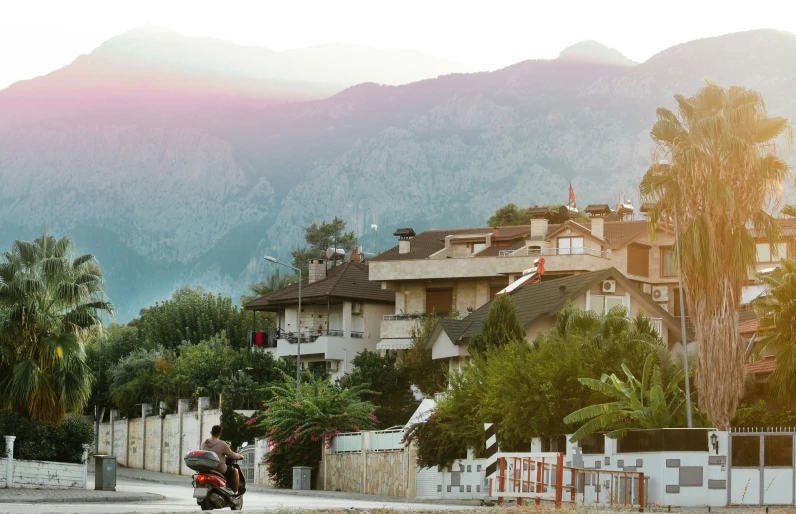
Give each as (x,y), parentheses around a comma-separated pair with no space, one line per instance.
(97,419)
(298,318)
(684,337)
(376,228)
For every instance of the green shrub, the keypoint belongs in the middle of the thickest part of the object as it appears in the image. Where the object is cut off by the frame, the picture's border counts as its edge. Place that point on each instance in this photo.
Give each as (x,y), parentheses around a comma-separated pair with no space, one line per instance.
(37,440)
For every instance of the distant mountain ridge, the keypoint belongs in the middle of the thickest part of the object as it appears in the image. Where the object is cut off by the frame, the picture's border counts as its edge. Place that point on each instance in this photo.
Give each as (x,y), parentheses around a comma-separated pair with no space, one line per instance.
(198,192)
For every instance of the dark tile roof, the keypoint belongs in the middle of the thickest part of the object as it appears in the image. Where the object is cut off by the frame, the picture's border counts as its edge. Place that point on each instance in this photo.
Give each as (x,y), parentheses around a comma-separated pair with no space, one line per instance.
(598,208)
(455,328)
(749,327)
(345,281)
(427,243)
(493,251)
(546,298)
(617,234)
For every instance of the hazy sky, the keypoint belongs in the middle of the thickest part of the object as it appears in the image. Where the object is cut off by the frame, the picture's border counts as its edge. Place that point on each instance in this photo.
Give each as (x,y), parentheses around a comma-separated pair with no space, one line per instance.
(37,36)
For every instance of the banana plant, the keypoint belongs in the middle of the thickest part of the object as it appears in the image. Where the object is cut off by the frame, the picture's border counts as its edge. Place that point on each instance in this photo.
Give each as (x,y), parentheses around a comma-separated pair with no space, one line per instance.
(645,403)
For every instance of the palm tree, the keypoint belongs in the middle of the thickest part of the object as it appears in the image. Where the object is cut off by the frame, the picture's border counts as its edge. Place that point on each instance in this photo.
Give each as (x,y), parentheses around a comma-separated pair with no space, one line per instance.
(600,328)
(636,404)
(49,299)
(717,168)
(777,310)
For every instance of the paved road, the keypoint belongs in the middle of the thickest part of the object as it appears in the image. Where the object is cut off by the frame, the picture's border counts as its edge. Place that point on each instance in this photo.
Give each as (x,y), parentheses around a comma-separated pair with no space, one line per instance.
(179,499)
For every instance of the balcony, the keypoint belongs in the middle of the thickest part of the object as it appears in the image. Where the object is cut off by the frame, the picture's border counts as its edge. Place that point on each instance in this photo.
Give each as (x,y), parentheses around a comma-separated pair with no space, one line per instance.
(419,315)
(545,252)
(399,326)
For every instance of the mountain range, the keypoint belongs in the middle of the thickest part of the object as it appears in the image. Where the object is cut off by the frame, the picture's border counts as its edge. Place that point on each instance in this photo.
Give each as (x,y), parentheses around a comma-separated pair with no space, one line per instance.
(182,160)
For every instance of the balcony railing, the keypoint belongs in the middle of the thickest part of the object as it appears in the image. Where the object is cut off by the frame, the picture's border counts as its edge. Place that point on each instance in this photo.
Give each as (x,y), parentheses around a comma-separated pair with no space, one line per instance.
(357,335)
(419,315)
(543,252)
(310,336)
(657,324)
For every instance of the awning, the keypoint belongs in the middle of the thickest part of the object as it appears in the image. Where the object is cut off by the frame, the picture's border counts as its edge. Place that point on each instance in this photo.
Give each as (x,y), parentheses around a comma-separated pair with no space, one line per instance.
(394,344)
(749,293)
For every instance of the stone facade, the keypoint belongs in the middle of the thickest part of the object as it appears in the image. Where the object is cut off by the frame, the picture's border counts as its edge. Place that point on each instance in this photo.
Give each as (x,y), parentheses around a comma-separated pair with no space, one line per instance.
(390,473)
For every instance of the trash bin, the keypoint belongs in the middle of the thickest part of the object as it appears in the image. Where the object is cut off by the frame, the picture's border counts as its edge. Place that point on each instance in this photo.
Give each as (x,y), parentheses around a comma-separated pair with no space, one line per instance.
(104,473)
(301,477)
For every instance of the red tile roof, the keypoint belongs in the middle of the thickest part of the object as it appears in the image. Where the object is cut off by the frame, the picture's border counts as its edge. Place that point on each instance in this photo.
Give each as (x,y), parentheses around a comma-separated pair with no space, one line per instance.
(749,327)
(617,234)
(761,367)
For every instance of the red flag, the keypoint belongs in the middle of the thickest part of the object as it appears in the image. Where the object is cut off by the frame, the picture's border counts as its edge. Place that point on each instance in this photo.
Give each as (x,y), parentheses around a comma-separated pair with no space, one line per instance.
(572,197)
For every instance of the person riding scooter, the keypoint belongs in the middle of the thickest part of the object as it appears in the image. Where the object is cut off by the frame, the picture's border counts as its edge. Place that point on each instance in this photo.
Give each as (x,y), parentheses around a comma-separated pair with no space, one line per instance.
(222,449)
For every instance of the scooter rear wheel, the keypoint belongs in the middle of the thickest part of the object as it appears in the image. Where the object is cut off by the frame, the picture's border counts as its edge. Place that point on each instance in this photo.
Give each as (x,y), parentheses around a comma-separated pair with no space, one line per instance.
(206,505)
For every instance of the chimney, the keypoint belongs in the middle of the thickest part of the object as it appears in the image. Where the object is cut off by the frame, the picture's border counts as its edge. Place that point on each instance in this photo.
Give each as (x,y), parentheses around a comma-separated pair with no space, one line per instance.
(317,269)
(598,227)
(538,229)
(404,235)
(355,255)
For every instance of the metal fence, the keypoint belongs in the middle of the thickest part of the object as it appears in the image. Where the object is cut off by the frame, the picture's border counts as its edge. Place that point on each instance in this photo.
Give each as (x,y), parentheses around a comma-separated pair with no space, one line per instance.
(377,441)
(247,465)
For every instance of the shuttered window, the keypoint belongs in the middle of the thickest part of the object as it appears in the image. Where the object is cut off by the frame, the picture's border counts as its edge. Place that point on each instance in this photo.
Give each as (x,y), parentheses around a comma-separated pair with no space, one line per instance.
(638,260)
(439,300)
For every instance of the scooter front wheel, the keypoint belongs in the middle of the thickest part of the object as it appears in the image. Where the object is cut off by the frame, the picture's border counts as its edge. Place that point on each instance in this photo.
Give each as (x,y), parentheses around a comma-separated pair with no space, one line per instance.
(239,506)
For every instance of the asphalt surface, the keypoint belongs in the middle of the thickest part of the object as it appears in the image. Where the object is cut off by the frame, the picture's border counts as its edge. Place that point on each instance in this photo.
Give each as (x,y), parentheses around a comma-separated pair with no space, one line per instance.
(178,493)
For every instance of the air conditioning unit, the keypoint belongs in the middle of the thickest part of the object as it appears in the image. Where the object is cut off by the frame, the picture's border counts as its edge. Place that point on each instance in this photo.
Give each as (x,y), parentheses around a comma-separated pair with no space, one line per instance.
(660,293)
(609,286)
(332,366)
(356,308)
(647,288)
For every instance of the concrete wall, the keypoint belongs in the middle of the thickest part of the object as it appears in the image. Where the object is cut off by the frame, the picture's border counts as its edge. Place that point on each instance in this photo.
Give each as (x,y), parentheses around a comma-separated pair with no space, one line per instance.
(155,443)
(16,473)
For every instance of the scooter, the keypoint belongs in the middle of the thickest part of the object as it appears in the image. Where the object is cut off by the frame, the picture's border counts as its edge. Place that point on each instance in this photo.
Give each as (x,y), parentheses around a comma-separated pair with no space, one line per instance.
(210,486)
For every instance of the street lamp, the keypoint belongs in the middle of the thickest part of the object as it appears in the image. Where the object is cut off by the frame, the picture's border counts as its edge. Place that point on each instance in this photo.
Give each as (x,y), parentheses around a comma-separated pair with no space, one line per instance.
(298,317)
(376,228)
(665,162)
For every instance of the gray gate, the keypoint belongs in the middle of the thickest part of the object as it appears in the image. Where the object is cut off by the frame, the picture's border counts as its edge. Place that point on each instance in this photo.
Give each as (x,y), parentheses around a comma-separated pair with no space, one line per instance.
(761,467)
(247,464)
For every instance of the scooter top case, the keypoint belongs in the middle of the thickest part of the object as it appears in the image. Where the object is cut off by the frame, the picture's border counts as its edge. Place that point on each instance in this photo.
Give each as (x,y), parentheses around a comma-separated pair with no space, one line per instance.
(202,461)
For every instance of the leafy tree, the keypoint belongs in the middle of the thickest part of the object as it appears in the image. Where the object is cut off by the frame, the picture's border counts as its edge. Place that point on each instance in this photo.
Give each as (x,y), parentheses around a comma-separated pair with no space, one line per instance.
(135,379)
(508,215)
(649,403)
(390,385)
(717,168)
(777,309)
(37,440)
(299,426)
(500,326)
(427,374)
(104,348)
(319,238)
(436,446)
(48,297)
(759,415)
(274,282)
(194,316)
(541,379)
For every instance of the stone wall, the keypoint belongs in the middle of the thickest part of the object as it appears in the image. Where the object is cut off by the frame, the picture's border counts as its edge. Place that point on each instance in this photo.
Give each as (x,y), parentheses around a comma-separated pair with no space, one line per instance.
(389,473)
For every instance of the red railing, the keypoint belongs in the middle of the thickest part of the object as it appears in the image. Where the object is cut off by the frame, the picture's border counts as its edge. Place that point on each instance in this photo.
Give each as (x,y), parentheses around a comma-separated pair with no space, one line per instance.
(542,476)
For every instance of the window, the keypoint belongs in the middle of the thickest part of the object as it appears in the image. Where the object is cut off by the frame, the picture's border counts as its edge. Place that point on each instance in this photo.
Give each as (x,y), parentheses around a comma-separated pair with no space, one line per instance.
(477,247)
(638,260)
(771,253)
(602,304)
(439,300)
(570,245)
(668,262)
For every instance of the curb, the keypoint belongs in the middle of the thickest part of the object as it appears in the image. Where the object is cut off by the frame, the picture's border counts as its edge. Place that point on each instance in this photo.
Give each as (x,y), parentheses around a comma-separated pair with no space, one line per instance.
(123,498)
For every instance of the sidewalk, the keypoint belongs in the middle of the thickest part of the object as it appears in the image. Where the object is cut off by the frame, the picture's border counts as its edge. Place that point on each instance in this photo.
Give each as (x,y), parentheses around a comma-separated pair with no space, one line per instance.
(74,496)
(165,478)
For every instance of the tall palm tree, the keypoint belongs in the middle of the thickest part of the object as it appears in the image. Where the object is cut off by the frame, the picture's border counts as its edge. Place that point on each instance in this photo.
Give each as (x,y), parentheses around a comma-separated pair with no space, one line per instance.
(717,168)
(777,310)
(49,298)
